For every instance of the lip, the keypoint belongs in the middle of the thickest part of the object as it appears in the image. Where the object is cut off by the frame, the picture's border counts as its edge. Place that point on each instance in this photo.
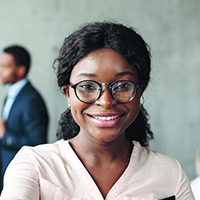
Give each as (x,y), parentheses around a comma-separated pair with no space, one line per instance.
(106,120)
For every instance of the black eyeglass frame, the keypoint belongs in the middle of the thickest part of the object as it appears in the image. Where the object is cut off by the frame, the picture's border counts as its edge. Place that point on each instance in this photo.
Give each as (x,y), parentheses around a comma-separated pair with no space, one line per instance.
(137,86)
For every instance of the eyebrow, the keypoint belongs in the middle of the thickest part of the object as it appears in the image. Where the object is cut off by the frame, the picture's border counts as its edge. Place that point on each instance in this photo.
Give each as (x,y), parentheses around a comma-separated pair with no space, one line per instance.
(87,74)
(124,73)
(116,75)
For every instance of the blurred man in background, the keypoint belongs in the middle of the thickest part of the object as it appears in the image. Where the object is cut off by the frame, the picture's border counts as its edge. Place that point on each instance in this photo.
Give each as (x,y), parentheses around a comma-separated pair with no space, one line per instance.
(24,118)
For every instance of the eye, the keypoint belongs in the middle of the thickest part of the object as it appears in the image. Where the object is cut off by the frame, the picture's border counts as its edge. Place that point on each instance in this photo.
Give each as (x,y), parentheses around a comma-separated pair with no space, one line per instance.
(123,86)
(87,87)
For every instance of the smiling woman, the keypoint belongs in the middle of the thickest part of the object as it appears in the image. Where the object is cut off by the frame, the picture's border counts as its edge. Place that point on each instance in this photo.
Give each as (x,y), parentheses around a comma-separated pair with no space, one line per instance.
(133,51)
(101,152)
(108,68)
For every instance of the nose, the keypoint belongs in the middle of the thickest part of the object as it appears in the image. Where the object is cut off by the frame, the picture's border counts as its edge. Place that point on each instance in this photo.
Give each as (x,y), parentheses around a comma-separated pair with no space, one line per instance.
(106,99)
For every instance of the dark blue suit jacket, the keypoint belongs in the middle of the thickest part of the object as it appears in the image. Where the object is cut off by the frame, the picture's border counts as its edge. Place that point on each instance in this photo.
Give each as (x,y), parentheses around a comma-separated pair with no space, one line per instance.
(26,125)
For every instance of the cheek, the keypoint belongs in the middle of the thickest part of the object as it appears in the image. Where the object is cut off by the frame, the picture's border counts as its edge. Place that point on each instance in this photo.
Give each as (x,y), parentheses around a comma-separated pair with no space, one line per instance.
(12,74)
(71,98)
(71,95)
(76,113)
(77,109)
(9,75)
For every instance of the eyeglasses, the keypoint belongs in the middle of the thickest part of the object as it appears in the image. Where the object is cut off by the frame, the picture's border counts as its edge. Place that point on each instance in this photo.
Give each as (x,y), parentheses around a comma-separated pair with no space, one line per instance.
(89,91)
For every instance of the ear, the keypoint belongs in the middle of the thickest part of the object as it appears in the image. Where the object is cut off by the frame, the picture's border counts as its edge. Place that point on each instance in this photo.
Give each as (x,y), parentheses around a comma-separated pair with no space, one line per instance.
(65,90)
(21,70)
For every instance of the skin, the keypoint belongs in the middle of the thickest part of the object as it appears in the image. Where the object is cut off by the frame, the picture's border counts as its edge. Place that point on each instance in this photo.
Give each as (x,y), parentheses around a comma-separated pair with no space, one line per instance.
(101,145)
(2,128)
(10,73)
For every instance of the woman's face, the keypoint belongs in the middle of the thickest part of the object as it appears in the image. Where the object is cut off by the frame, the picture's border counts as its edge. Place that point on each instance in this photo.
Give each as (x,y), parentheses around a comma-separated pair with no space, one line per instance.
(104,120)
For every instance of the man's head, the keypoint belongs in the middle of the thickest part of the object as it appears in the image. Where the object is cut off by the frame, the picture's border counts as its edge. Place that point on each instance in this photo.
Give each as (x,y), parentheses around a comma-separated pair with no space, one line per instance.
(14,64)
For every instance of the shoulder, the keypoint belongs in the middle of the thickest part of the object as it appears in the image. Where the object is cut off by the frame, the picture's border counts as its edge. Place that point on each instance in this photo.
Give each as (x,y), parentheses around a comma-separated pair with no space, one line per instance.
(160,171)
(154,158)
(29,90)
(45,156)
(45,149)
(30,95)
(163,168)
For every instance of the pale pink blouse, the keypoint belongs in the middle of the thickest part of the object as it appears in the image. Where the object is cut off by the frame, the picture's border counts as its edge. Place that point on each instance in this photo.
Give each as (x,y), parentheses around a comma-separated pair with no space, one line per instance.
(54,172)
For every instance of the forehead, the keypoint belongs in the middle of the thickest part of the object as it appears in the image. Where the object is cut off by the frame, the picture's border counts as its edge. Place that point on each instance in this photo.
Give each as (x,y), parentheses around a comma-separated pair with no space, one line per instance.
(7,59)
(102,62)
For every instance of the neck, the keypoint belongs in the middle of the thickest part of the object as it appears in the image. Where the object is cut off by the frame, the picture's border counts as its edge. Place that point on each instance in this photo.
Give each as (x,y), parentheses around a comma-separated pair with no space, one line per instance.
(99,152)
(16,81)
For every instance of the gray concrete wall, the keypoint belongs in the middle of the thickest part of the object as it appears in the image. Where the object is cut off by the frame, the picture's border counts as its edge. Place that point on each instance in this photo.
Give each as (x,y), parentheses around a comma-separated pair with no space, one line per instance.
(171,28)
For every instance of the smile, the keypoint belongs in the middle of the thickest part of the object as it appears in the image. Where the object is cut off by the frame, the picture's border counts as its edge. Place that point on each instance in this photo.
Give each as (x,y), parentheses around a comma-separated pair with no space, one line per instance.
(107,118)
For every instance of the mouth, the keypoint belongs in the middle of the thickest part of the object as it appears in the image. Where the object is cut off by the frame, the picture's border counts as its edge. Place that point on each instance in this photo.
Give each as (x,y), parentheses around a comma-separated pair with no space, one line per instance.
(106,118)
(109,120)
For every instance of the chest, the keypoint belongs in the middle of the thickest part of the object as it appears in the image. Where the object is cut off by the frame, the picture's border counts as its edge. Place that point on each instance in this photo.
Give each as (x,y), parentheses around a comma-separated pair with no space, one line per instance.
(105,177)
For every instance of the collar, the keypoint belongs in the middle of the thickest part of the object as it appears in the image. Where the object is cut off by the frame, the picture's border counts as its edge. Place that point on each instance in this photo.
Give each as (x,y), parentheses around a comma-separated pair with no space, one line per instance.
(14,89)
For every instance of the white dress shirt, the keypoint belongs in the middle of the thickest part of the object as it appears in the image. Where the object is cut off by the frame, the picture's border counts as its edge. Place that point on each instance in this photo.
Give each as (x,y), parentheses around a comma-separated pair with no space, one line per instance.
(13,91)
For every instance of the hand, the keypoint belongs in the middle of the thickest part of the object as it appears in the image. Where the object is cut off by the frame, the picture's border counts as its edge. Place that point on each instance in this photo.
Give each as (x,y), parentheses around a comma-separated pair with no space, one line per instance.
(2,128)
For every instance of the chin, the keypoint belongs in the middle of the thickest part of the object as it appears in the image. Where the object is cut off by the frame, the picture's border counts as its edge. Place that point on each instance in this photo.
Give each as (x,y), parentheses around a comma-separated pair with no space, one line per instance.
(106,138)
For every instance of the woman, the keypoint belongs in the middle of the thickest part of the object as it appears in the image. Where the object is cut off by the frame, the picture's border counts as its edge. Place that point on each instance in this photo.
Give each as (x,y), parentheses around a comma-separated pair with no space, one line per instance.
(103,69)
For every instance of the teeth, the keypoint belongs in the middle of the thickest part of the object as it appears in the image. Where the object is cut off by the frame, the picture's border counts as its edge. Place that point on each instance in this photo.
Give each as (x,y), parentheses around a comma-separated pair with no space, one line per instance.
(106,118)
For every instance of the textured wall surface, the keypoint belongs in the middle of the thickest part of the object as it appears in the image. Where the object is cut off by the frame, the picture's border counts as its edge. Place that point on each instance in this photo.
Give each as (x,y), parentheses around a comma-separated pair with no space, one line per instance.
(171,28)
